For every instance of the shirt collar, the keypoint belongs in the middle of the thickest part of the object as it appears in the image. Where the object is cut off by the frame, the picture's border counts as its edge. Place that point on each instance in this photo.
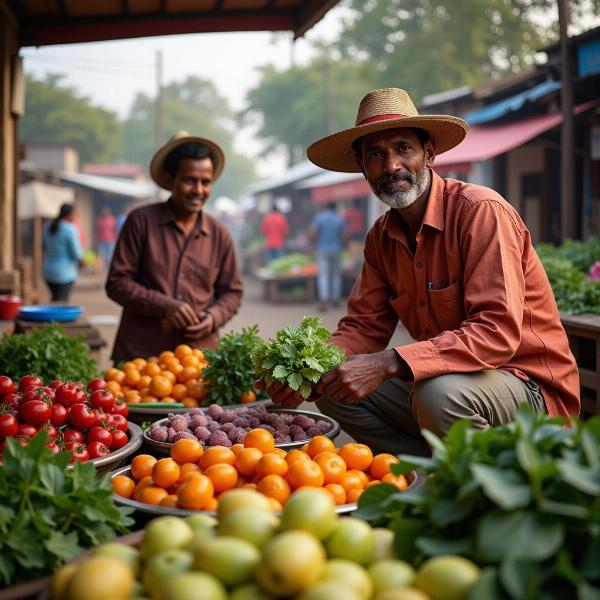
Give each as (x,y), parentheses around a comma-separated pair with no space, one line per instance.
(167,216)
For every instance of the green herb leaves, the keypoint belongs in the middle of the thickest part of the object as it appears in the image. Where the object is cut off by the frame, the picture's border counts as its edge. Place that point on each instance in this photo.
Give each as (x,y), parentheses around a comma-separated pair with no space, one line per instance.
(48,513)
(298,356)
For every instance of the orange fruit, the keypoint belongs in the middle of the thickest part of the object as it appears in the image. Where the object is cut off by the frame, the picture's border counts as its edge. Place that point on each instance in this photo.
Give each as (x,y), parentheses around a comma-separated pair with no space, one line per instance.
(270,464)
(237,448)
(123,486)
(168,399)
(350,480)
(364,478)
(191,361)
(162,357)
(280,452)
(152,494)
(113,374)
(274,486)
(188,468)
(223,477)
(171,363)
(381,464)
(373,482)
(160,386)
(142,465)
(296,454)
(332,465)
(249,485)
(318,444)
(195,492)
(215,455)
(198,353)
(338,493)
(196,389)
(143,382)
(113,386)
(179,391)
(141,484)
(212,504)
(183,350)
(305,472)
(305,448)
(247,397)
(188,373)
(398,480)
(261,439)
(356,456)
(186,451)
(170,376)
(151,369)
(132,377)
(276,506)
(166,472)
(132,397)
(189,402)
(353,495)
(169,501)
(149,398)
(247,460)
(152,359)
(139,363)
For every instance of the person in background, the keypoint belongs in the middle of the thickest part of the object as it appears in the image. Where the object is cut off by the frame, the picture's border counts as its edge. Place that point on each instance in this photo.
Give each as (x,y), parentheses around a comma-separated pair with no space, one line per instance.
(63,254)
(274,227)
(327,230)
(106,234)
(174,270)
(355,229)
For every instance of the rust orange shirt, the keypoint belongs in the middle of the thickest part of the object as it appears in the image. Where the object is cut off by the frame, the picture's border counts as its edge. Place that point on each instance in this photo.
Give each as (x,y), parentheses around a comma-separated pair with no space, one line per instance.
(474,295)
(155,265)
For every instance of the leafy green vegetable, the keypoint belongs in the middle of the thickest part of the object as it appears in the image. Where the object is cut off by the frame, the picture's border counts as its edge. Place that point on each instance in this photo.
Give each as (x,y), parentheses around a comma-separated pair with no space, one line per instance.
(522,500)
(229,372)
(289,262)
(298,356)
(48,352)
(48,513)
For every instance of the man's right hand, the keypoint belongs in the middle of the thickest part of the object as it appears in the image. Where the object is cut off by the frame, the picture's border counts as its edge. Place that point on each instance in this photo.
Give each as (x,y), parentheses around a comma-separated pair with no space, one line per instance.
(181,315)
(283,395)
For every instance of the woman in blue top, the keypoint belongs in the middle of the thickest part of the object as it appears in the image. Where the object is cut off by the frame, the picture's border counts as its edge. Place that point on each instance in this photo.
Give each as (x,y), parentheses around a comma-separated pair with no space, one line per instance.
(62,253)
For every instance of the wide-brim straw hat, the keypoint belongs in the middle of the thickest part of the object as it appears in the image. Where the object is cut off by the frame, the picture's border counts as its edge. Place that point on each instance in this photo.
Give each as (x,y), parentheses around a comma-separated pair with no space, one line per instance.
(387,108)
(157,164)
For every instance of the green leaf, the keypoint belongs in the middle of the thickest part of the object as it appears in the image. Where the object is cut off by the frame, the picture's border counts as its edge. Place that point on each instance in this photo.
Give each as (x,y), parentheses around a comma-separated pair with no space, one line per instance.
(437,446)
(528,456)
(280,372)
(586,591)
(294,380)
(448,510)
(503,487)
(590,560)
(582,478)
(433,546)
(406,532)
(563,509)
(371,501)
(63,545)
(487,586)
(521,579)
(591,447)
(52,479)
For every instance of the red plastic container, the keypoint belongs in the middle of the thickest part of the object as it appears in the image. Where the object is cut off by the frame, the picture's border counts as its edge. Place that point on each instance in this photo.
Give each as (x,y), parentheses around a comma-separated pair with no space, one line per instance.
(9,307)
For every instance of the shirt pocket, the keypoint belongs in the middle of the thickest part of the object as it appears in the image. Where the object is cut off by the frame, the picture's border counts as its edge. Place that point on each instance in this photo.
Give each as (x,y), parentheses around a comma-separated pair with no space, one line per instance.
(447,307)
(400,305)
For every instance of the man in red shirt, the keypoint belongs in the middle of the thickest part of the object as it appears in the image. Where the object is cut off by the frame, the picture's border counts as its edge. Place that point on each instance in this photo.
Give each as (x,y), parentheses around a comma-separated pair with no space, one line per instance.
(106,234)
(454,262)
(275,228)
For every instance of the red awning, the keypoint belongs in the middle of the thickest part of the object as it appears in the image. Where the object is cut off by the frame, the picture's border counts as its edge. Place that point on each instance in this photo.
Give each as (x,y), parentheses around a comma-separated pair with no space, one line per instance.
(338,192)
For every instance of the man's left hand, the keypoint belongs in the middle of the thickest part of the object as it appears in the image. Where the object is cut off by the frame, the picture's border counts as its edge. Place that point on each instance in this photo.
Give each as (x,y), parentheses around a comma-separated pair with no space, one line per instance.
(202,329)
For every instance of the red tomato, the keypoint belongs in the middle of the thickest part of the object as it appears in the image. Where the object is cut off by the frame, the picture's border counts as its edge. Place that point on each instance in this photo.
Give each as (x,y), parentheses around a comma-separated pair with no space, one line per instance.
(119,439)
(103,399)
(53,446)
(8,426)
(97,449)
(50,430)
(29,380)
(120,422)
(66,394)
(99,434)
(35,412)
(79,452)
(46,392)
(6,385)
(96,384)
(55,384)
(31,393)
(121,408)
(81,416)
(26,430)
(100,417)
(13,400)
(59,414)
(72,435)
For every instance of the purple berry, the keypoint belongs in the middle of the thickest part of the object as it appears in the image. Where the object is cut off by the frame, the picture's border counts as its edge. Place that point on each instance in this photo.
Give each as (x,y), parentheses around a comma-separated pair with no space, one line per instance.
(158,433)
(219,438)
(324,426)
(202,433)
(215,411)
(179,423)
(198,421)
(183,435)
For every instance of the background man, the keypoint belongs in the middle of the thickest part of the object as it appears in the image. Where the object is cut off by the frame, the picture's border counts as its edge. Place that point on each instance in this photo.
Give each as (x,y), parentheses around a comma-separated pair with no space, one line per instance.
(174,270)
(454,262)
(106,234)
(274,227)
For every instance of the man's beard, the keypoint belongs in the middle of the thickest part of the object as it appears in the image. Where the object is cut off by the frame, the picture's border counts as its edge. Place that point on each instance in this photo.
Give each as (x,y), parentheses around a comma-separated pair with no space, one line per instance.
(402,199)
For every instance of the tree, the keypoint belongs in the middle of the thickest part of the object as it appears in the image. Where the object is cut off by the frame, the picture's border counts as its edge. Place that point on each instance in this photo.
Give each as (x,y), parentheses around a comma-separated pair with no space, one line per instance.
(193,105)
(55,113)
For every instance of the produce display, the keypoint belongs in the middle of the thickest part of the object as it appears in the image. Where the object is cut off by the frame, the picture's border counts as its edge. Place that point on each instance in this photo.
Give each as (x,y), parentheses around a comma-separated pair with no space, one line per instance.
(294,263)
(48,513)
(521,500)
(297,355)
(87,421)
(225,427)
(48,352)
(308,553)
(170,377)
(194,477)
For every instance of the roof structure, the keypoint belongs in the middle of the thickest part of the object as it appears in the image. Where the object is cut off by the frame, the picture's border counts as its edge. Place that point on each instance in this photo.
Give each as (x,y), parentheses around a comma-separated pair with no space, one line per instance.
(111,185)
(45,22)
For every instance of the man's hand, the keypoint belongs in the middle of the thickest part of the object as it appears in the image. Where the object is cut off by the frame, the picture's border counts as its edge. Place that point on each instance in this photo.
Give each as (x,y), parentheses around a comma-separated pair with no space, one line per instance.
(202,329)
(181,315)
(361,375)
(283,395)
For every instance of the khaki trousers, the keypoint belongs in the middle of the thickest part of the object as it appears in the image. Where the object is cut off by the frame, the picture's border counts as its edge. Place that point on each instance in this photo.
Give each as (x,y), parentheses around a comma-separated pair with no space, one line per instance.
(391,418)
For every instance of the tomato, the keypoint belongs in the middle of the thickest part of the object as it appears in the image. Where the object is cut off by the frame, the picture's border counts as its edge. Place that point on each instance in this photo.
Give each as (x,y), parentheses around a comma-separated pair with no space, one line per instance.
(66,394)
(81,416)
(8,426)
(78,385)
(72,435)
(99,416)
(26,430)
(121,408)
(13,400)
(6,385)
(59,414)
(120,422)
(55,384)
(53,446)
(29,380)
(79,452)
(119,439)
(35,412)
(46,392)
(97,449)
(96,384)
(31,393)
(103,399)
(50,430)
(99,434)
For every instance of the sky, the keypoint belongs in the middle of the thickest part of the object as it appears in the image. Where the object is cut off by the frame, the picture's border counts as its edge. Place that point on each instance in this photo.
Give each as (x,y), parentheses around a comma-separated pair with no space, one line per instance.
(112,73)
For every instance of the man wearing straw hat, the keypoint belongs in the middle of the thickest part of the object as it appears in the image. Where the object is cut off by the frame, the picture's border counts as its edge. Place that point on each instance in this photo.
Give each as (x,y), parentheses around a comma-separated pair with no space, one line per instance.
(174,270)
(454,263)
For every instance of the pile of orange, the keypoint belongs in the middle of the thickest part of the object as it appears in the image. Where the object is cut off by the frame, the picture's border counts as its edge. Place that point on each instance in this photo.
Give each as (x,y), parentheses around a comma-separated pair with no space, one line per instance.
(194,477)
(170,377)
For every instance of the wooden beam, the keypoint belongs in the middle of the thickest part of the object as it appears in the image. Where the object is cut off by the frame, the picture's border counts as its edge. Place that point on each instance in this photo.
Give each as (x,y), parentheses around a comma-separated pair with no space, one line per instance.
(312,11)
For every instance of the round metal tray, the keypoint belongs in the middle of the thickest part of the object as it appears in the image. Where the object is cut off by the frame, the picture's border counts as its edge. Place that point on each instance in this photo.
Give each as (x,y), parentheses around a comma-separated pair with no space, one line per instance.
(165,447)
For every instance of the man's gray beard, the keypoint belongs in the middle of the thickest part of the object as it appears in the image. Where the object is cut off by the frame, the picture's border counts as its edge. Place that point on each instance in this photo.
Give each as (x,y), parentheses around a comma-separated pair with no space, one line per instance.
(400,199)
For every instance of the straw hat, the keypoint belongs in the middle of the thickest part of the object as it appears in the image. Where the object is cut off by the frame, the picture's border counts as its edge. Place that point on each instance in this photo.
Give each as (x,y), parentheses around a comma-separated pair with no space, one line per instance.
(157,165)
(387,108)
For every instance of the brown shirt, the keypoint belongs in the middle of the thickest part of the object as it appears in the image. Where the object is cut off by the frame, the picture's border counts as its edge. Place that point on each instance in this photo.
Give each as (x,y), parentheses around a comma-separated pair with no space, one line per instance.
(474,295)
(155,264)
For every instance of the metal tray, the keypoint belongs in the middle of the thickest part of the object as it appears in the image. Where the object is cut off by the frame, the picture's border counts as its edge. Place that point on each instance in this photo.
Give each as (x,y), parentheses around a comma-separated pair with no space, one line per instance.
(165,447)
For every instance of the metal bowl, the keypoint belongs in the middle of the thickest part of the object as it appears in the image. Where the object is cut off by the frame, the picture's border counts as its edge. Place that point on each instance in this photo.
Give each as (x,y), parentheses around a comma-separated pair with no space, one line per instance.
(165,447)
(117,457)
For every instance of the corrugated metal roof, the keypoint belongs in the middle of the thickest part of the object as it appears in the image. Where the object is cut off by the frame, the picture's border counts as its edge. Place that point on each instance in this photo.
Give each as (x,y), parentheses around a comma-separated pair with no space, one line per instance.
(327,178)
(112,185)
(295,173)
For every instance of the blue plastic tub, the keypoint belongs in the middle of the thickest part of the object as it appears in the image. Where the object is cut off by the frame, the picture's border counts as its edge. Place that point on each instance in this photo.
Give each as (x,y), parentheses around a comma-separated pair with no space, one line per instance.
(50,313)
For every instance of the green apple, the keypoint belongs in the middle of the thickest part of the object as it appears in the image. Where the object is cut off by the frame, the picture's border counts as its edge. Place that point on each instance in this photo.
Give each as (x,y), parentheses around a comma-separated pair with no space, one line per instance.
(165,533)
(201,522)
(128,554)
(291,562)
(329,590)
(99,578)
(248,591)
(231,560)
(391,573)
(351,575)
(447,577)
(242,497)
(402,593)
(162,566)
(193,586)
(310,510)
(352,540)
(251,524)
(199,537)
(384,543)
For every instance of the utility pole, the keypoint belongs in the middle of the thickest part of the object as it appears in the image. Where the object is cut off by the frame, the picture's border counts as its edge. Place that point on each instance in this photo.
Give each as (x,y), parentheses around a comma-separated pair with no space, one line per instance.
(568,201)
(159,123)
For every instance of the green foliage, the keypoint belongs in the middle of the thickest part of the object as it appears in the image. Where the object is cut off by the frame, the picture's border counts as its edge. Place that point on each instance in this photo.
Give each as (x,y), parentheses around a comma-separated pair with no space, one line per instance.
(229,372)
(522,500)
(287,263)
(50,513)
(57,114)
(48,352)
(298,356)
